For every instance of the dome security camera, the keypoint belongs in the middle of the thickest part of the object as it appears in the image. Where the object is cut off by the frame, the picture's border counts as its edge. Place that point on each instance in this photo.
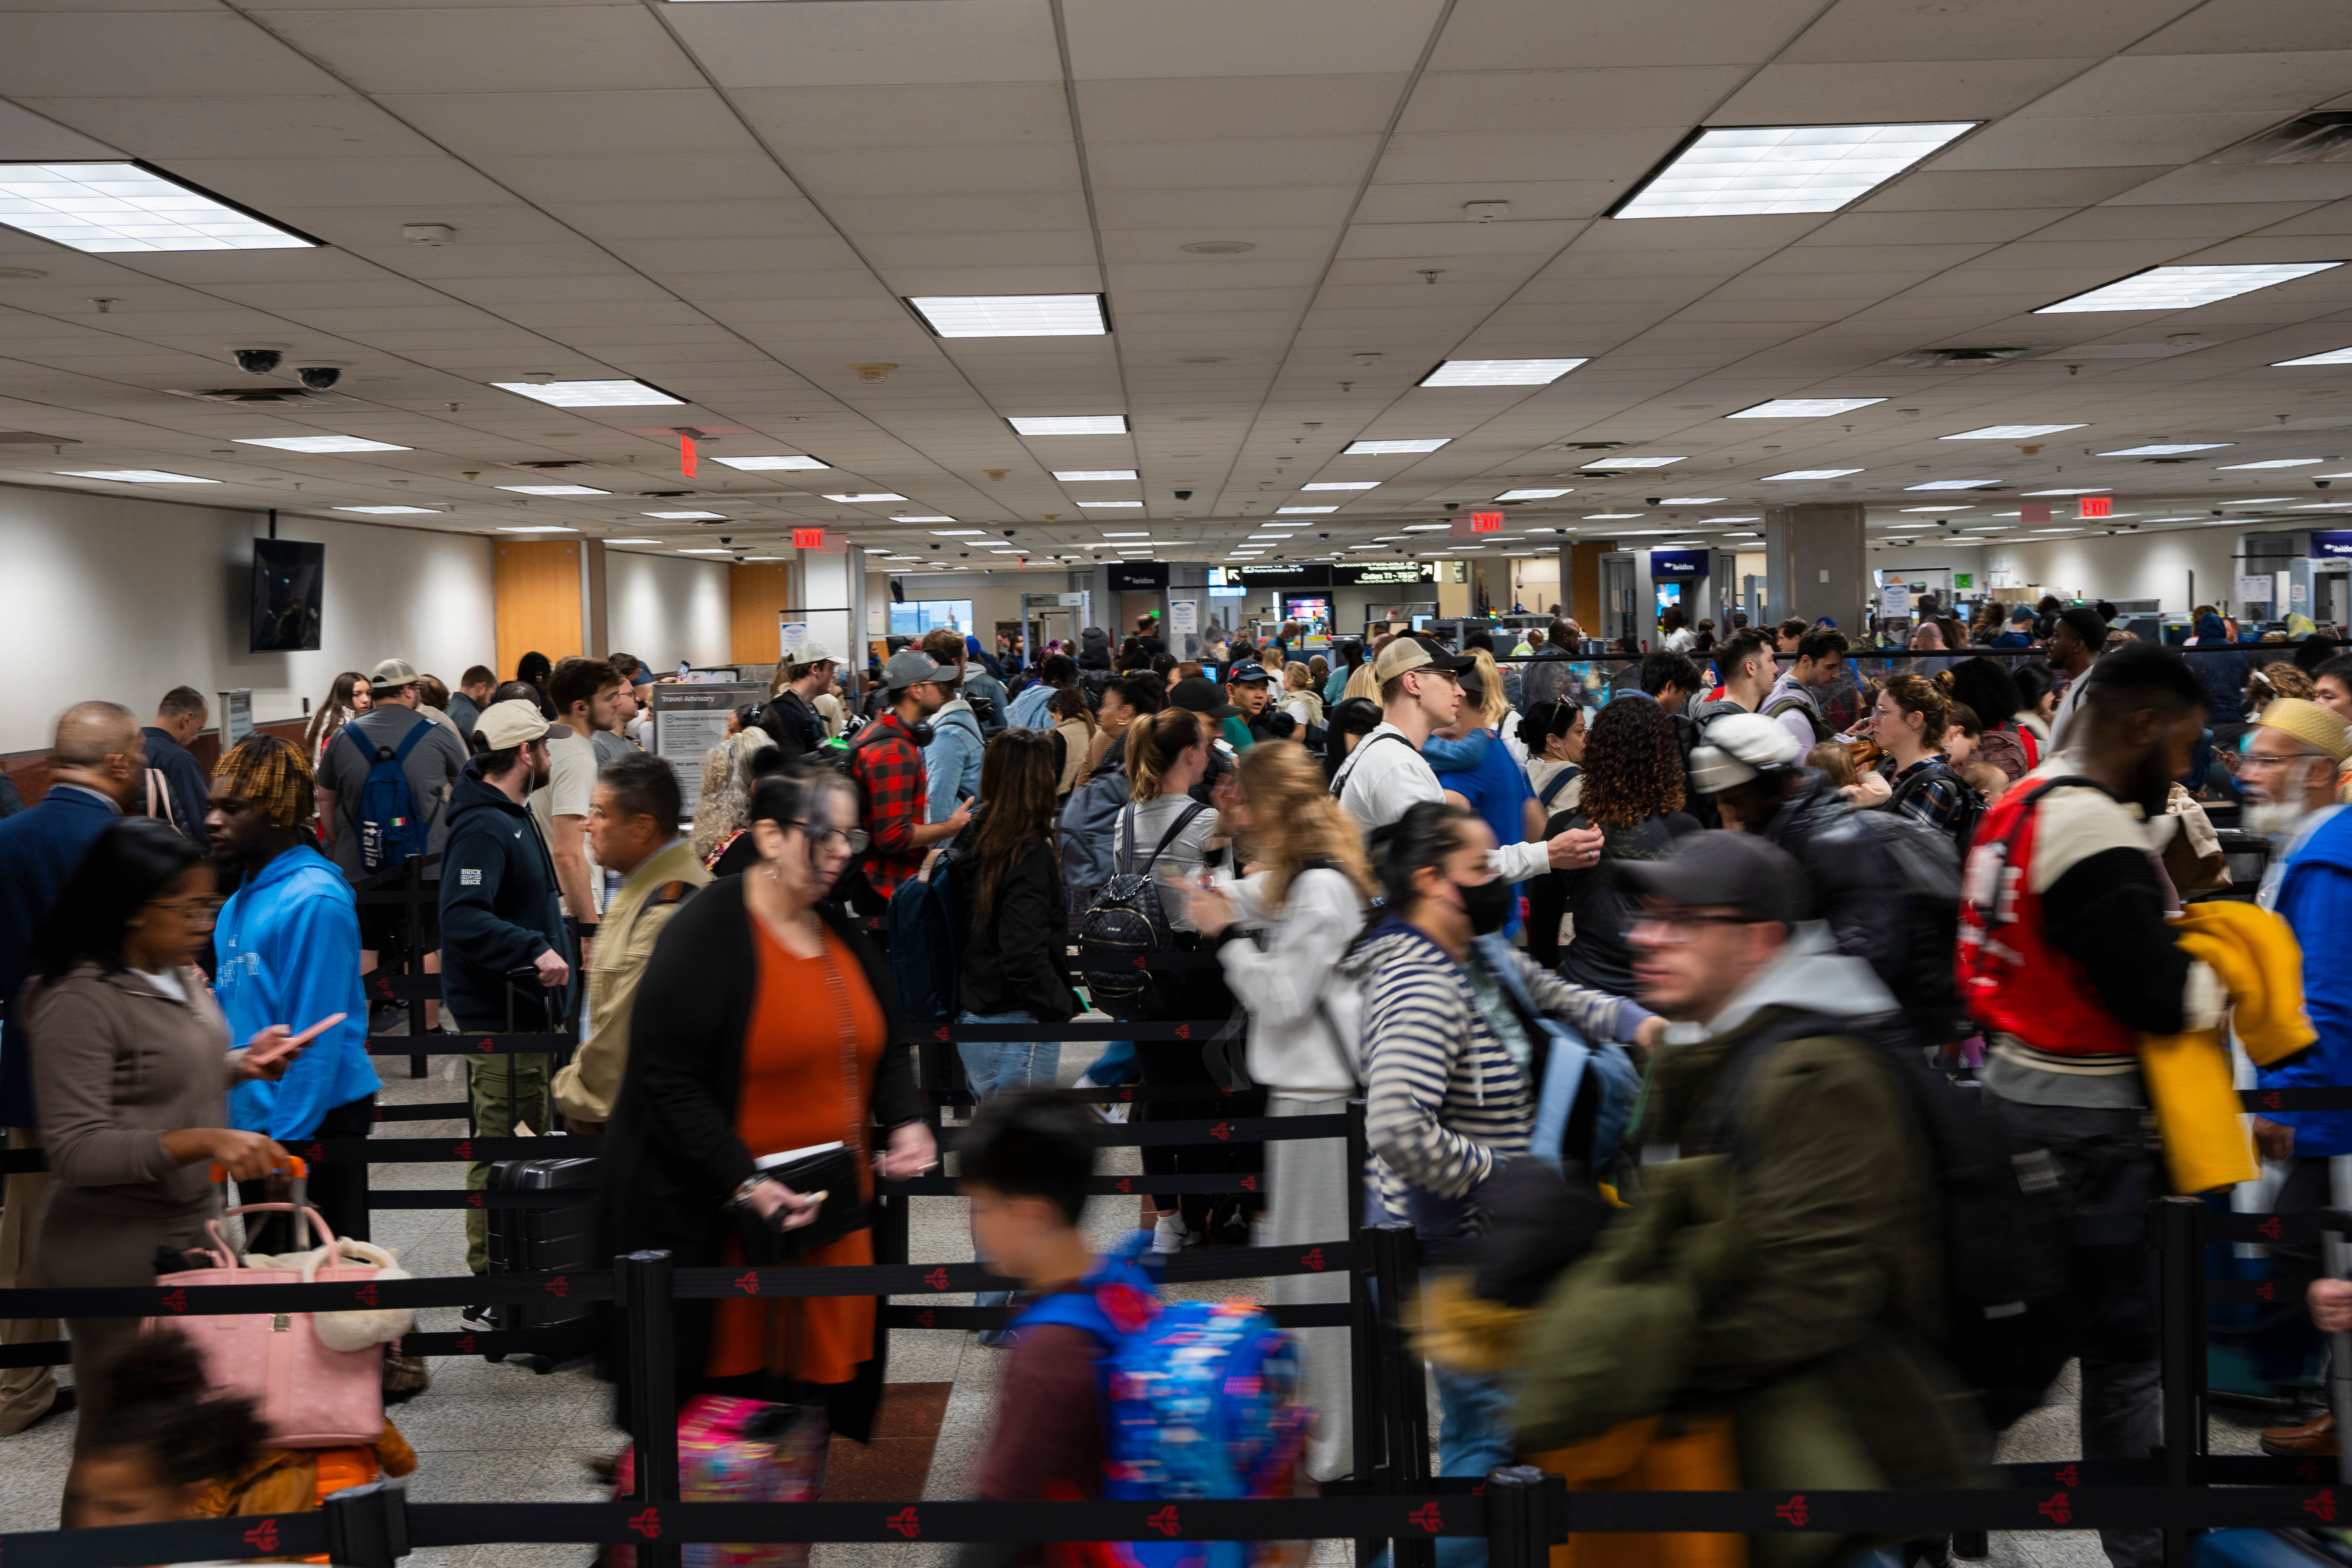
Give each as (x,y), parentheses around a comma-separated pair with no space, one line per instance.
(2321,484)
(1451,505)
(1183,495)
(726,538)
(319,377)
(259,362)
(1008,534)
(1654,501)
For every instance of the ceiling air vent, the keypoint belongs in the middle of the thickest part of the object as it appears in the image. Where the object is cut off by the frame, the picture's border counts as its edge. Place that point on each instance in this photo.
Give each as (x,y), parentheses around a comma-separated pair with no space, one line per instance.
(2307,139)
(1933,359)
(251,396)
(549,466)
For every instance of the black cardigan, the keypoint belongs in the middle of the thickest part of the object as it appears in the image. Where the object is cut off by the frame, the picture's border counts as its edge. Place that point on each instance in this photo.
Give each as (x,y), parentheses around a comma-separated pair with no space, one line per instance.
(671,1154)
(1014,961)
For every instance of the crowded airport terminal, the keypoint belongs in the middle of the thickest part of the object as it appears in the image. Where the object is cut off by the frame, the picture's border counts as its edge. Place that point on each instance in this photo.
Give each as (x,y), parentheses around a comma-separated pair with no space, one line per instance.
(1165,784)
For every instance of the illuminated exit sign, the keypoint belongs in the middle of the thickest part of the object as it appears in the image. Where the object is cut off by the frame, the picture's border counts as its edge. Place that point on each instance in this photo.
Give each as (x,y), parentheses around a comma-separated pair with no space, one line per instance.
(2098,506)
(1478,522)
(808,539)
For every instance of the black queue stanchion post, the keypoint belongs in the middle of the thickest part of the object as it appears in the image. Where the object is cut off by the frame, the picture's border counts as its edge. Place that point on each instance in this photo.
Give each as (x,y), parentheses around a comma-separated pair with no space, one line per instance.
(1402,1385)
(1518,1529)
(1366,1440)
(644,1281)
(2180,1241)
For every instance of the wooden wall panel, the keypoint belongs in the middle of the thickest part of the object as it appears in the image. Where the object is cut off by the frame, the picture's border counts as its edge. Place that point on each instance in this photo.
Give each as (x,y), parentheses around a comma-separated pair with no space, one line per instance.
(1583,598)
(31,772)
(538,588)
(755,593)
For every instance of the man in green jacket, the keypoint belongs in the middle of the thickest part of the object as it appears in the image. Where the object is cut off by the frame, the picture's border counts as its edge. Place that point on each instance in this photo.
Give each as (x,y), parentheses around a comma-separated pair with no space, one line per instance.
(1781,1263)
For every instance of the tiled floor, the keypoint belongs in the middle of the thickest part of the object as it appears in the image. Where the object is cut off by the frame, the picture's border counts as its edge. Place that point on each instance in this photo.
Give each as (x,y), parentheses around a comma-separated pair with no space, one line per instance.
(498,1432)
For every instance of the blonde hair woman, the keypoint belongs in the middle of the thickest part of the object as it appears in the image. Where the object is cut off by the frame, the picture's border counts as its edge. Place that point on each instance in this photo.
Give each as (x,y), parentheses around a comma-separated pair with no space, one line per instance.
(1308,896)
(723,812)
(1299,697)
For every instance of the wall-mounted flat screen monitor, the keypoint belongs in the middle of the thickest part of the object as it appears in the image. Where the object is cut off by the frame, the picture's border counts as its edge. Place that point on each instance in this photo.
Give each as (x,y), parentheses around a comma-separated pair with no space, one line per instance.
(287,577)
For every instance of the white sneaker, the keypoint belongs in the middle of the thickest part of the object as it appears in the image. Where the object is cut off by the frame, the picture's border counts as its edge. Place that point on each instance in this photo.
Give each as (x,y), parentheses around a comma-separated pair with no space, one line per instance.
(1172,1234)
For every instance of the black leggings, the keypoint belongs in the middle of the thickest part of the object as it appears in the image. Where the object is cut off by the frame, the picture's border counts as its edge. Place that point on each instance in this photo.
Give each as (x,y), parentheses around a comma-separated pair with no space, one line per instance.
(1172,1063)
(339,1191)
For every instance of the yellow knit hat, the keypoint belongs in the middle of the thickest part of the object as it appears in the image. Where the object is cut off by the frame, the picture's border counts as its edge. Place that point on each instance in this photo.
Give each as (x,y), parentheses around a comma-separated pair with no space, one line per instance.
(2317,727)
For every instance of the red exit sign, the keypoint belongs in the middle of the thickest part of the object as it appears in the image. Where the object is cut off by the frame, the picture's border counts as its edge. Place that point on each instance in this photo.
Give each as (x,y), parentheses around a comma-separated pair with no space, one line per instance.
(1478,522)
(808,539)
(2096,506)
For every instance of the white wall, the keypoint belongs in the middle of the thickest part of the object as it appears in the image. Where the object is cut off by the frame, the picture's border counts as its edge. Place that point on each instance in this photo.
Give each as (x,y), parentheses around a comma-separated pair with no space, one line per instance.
(663,609)
(123,598)
(2100,566)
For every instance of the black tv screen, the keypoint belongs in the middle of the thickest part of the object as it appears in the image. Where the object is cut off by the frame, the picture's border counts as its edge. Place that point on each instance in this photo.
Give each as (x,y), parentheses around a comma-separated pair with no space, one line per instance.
(287,577)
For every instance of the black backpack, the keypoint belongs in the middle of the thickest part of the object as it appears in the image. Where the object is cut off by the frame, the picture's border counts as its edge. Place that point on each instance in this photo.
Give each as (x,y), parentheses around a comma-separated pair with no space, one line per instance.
(1963,826)
(1125,925)
(1928,868)
(2000,1210)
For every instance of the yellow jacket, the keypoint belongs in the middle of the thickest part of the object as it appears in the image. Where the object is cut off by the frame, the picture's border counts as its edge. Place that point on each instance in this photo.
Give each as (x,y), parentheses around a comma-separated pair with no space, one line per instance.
(2258,964)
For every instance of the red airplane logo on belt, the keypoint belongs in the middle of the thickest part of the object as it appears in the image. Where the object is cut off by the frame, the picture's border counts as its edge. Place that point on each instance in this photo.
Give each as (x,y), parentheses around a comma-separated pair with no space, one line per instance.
(2055,1508)
(1164,1521)
(1794,1510)
(647,1524)
(263,1537)
(748,1281)
(905,1524)
(1427,1517)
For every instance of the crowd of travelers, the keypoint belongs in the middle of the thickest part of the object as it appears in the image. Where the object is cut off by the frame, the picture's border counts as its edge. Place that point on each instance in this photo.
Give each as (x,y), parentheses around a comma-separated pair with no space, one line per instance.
(1681,991)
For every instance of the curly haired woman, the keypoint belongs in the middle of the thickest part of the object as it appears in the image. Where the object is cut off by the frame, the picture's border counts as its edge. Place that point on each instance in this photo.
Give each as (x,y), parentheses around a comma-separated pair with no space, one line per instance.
(1634,794)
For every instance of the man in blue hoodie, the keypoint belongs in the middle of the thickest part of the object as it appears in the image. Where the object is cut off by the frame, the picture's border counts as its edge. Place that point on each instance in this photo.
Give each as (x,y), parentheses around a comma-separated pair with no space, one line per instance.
(502,914)
(287,946)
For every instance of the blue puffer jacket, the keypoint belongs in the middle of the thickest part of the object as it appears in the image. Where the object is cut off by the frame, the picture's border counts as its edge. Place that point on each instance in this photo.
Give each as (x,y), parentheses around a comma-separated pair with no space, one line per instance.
(2314,898)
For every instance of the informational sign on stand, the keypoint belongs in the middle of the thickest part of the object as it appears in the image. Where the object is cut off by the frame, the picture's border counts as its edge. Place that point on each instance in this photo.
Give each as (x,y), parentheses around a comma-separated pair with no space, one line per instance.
(236,716)
(690,718)
(829,629)
(1184,617)
(1895,601)
(2255,590)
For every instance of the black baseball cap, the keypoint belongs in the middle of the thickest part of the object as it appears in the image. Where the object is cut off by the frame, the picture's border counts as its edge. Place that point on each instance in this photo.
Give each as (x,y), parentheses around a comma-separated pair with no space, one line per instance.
(1719,869)
(1197,694)
(1247,670)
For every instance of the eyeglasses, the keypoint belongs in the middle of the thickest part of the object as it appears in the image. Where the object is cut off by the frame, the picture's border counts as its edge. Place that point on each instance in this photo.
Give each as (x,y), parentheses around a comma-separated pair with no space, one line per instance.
(2254,762)
(1673,930)
(191,908)
(837,840)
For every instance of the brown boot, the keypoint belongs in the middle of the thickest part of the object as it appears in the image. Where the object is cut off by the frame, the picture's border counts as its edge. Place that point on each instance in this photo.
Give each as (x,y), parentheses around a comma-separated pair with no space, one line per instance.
(2311,1438)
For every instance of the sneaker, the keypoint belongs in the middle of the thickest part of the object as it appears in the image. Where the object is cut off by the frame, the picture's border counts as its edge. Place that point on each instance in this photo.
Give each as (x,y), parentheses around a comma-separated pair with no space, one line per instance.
(479,1319)
(1172,1234)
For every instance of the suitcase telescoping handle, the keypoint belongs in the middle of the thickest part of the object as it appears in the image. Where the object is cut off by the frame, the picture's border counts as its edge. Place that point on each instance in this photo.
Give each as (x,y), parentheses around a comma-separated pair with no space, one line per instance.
(294,1165)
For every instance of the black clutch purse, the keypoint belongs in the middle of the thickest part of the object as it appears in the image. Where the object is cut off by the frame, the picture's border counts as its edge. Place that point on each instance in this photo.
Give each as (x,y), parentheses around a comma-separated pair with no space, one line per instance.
(827,1168)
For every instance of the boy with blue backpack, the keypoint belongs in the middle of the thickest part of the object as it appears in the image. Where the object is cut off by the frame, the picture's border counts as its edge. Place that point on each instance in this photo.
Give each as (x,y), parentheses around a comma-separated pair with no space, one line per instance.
(1108,1392)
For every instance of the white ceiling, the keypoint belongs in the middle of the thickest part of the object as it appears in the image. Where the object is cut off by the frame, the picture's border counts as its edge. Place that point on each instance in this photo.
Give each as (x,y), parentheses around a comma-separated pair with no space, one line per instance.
(731,200)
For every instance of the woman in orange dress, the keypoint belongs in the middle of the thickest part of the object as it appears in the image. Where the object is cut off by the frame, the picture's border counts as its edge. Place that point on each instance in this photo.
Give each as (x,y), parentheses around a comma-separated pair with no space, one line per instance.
(766,1022)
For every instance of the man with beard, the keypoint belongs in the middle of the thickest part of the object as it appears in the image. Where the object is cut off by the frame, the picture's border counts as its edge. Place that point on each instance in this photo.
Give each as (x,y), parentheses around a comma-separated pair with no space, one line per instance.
(2288,773)
(502,913)
(2065,959)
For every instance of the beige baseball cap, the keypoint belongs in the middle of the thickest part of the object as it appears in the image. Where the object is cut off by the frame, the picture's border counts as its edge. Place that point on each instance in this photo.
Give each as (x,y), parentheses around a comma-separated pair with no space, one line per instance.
(506,725)
(392,675)
(1417,653)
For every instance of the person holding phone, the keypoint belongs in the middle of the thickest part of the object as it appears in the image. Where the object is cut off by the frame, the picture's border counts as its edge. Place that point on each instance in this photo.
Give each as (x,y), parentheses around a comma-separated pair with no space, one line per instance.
(286,951)
(132,1075)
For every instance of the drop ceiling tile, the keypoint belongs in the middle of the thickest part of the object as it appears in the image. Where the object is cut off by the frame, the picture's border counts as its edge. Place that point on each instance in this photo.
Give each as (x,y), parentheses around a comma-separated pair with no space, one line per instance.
(1819,255)
(610,221)
(2261,187)
(492,127)
(1161,244)
(1861,31)
(2223,26)
(1034,247)
(73,53)
(1032,279)
(687,253)
(840,43)
(1131,38)
(951,113)
(1624,153)
(491,49)
(747,175)
(1443,201)
(328,125)
(1181,165)
(1163,108)
(2334,218)
(2104,141)
(2202,84)
(1944,190)
(1557,100)
(937,171)
(1976,227)
(1223,213)
(1784,94)
(1522,35)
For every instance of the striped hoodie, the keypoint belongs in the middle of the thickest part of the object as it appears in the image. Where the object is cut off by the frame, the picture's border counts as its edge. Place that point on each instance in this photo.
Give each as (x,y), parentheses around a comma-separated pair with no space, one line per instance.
(1445,1101)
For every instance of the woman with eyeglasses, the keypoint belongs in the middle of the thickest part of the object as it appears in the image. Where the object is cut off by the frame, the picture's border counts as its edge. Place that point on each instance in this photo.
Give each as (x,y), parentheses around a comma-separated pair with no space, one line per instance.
(131,1069)
(767,1024)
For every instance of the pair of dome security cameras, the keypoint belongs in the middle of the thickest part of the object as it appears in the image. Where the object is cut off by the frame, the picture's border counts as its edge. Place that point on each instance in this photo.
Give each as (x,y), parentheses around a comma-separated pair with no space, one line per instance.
(261,362)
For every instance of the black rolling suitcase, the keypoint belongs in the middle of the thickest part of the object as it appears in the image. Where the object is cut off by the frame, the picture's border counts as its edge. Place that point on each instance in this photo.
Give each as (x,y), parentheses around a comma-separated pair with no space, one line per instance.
(543,1241)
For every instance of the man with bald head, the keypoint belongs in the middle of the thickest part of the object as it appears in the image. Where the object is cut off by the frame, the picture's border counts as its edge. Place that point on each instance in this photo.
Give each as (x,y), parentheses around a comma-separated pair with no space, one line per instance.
(98,767)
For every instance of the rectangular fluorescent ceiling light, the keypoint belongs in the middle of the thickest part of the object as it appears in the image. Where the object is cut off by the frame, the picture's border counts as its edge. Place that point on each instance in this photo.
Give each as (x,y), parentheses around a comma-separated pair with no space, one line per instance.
(390,510)
(2012,432)
(2168,448)
(754,464)
(134,476)
(1952,485)
(1609,516)
(1551,494)
(536,528)
(1012,315)
(1812,474)
(1805,407)
(102,207)
(1631,462)
(922,520)
(1069,424)
(1499,372)
(1692,500)
(2257,501)
(1737,171)
(591,394)
(320,444)
(957,532)
(1109,535)
(633,541)
(1939,508)
(1285,510)
(1426,527)
(1704,521)
(1982,528)
(1254,539)
(1342,485)
(1092,476)
(2183,288)
(2332,476)
(1391,448)
(1095,504)
(555,489)
(868,497)
(2333,356)
(709,551)
(687,516)
(2095,490)
(2273,463)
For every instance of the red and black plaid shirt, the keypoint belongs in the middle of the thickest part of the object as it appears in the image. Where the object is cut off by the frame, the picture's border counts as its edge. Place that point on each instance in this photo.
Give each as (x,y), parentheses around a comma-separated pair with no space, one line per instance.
(890,802)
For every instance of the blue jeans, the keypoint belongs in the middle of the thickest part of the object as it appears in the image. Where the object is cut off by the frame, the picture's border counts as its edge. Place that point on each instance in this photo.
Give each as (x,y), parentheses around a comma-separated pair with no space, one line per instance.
(1474,1437)
(1116,1066)
(994,1066)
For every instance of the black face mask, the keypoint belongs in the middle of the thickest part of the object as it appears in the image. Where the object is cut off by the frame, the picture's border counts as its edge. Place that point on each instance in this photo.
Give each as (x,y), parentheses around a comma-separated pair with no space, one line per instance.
(1488,905)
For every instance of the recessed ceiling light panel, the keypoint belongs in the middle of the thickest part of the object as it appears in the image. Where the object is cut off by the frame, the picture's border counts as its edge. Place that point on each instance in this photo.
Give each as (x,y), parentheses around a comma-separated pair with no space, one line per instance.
(1499,372)
(1736,171)
(591,394)
(135,475)
(390,510)
(924,519)
(867,498)
(2333,356)
(1553,493)
(1342,485)
(1811,474)
(1631,462)
(2012,432)
(1012,315)
(2168,448)
(2273,463)
(1286,511)
(318,443)
(1130,505)
(788,461)
(2184,287)
(555,489)
(1092,476)
(1392,449)
(1952,485)
(1069,424)
(687,516)
(1805,407)
(108,207)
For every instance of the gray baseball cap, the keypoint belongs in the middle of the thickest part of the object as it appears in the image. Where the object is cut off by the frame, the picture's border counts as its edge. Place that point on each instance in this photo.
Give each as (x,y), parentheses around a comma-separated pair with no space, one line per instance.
(1722,868)
(910,665)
